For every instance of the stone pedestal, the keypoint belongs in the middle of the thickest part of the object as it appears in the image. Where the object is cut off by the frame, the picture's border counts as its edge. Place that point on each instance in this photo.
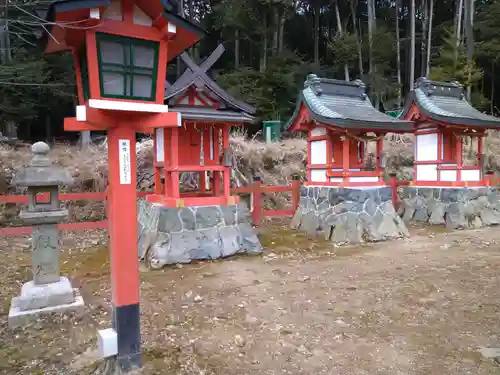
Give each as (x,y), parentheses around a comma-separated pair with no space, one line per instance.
(170,235)
(348,216)
(36,300)
(457,208)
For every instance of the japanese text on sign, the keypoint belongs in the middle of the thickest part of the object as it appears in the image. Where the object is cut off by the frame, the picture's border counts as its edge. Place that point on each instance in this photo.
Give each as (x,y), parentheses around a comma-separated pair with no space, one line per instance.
(124,160)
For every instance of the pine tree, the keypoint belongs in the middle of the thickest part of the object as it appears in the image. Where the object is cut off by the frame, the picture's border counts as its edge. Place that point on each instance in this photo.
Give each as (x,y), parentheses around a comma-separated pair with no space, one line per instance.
(452,64)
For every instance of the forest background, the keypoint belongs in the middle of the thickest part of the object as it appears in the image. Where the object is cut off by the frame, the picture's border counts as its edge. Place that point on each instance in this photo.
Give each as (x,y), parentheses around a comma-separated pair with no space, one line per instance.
(271,46)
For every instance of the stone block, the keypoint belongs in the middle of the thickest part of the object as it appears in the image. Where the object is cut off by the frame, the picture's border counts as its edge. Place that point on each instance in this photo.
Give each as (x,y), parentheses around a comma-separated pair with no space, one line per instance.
(370,207)
(230,241)
(208,217)
(188,219)
(207,232)
(348,216)
(182,245)
(229,214)
(388,228)
(489,217)
(421,214)
(18,317)
(243,214)
(249,240)
(35,296)
(309,223)
(455,218)
(437,214)
(210,244)
(169,221)
(409,210)
(369,229)
(353,228)
(296,219)
(385,194)
(45,255)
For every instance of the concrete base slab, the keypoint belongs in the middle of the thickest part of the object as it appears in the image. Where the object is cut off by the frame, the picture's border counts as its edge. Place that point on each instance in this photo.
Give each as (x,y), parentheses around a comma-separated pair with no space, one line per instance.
(40,296)
(18,317)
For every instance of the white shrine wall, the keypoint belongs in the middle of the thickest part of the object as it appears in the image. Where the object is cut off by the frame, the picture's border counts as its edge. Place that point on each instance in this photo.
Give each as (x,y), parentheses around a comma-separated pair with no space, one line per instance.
(318,155)
(426,150)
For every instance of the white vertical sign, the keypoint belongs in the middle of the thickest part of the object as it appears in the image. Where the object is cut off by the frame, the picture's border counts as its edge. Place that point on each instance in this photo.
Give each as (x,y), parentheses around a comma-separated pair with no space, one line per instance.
(125,163)
(160,145)
(211,133)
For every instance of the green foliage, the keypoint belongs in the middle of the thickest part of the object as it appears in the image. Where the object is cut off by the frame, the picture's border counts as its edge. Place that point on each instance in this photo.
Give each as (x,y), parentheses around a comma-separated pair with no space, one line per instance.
(451,63)
(273,91)
(32,85)
(344,49)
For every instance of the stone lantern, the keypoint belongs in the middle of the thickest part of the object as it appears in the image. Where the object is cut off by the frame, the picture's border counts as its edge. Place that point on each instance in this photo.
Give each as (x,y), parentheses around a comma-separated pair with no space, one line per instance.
(48,291)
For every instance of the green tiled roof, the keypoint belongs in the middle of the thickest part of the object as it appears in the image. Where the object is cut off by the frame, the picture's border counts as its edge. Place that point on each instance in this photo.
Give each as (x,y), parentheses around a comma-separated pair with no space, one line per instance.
(445,101)
(344,104)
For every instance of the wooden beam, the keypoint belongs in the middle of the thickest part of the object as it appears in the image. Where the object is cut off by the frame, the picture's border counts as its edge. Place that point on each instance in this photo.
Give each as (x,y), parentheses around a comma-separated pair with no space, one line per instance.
(71,124)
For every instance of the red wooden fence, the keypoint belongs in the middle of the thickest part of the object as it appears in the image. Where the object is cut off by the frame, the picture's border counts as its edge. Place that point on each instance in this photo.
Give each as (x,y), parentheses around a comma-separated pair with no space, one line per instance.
(256,190)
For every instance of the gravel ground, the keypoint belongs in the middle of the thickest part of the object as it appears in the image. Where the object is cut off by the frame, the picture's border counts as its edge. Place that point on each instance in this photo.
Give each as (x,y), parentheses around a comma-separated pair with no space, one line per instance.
(419,306)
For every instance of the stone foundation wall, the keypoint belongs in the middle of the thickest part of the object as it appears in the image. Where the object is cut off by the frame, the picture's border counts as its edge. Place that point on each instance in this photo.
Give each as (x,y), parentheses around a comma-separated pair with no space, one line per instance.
(348,216)
(180,235)
(457,208)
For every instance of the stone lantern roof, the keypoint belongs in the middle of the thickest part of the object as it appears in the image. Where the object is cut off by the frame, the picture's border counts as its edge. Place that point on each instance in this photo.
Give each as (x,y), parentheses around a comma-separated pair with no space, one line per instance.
(41,172)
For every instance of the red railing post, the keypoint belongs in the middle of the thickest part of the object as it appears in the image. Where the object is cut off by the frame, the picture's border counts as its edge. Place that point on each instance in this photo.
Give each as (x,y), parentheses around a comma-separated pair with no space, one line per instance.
(295,191)
(393,182)
(256,197)
(489,178)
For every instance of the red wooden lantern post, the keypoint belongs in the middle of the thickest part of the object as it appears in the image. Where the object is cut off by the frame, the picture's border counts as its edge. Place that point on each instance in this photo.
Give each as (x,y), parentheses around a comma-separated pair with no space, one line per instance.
(121,49)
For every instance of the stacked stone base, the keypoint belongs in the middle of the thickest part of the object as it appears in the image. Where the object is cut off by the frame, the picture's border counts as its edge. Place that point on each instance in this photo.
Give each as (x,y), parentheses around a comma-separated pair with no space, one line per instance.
(170,235)
(36,300)
(349,216)
(457,208)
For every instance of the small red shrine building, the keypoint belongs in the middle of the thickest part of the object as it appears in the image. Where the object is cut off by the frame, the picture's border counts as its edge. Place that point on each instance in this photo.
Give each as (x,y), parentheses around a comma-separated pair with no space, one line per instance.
(340,121)
(443,118)
(202,141)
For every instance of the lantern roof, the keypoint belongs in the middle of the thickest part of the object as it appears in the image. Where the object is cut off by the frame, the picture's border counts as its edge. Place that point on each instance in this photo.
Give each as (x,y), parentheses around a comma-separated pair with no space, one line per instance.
(341,104)
(41,171)
(207,97)
(75,15)
(446,102)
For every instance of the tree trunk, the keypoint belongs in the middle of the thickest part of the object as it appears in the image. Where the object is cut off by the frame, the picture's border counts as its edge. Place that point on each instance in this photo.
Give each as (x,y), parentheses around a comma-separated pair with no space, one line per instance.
(263,57)
(423,46)
(276,28)
(180,11)
(398,55)
(370,37)
(459,25)
(236,49)
(339,29)
(281,41)
(412,47)
(316,33)
(492,93)
(469,15)
(358,37)
(429,40)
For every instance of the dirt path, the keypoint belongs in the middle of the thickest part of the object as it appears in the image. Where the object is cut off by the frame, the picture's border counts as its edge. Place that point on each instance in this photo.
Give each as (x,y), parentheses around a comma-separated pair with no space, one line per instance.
(420,306)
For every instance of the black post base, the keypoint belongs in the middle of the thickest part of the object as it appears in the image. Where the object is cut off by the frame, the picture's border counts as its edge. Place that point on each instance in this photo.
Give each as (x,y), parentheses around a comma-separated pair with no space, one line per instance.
(126,322)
